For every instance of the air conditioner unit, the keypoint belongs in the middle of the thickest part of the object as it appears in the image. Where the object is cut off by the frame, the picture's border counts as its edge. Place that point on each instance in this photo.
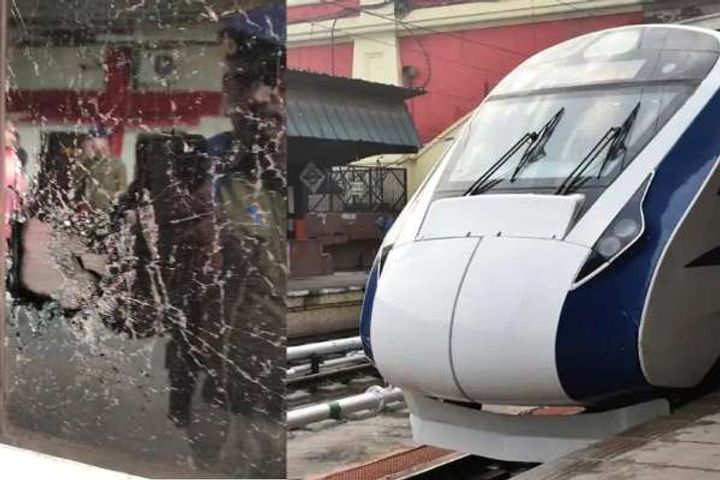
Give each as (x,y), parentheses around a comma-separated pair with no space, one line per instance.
(155,68)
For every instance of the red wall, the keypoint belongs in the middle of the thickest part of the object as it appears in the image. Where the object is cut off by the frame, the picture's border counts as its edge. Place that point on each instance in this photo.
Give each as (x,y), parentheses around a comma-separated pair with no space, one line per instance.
(318,59)
(457,82)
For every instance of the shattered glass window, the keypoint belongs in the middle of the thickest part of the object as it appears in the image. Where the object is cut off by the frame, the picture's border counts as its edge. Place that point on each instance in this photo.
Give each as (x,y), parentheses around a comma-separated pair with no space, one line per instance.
(145,234)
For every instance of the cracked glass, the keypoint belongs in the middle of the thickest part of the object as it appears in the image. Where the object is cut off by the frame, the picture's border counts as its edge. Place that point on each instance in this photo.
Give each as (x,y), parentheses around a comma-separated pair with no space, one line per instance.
(145,228)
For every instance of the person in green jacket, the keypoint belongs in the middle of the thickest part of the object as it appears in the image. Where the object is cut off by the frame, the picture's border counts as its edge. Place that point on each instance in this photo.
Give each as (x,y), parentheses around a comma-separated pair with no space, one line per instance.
(99,177)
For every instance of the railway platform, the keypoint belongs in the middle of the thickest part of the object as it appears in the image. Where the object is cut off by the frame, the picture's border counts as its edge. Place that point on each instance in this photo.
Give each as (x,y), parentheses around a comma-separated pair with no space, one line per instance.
(328,283)
(683,445)
(324,305)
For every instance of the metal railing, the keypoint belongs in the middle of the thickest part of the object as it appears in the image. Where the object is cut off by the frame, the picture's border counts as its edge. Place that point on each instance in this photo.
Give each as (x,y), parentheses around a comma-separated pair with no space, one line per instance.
(360,189)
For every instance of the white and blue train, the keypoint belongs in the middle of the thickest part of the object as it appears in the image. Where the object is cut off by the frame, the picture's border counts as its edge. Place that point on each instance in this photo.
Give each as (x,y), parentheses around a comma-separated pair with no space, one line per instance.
(565,251)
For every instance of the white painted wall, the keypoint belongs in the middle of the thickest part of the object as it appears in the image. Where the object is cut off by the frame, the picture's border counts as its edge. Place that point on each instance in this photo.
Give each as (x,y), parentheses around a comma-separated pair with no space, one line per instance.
(66,68)
(199,68)
(377,62)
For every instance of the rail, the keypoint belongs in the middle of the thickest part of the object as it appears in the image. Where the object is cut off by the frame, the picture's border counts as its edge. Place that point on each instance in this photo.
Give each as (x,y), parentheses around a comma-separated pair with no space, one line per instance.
(309,350)
(375,398)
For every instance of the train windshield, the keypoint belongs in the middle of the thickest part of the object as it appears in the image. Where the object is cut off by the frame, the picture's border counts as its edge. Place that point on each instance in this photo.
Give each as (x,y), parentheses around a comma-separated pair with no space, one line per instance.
(585,90)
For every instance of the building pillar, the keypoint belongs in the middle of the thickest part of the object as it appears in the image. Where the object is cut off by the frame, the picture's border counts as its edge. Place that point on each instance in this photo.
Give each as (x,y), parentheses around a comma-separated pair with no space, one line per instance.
(376,57)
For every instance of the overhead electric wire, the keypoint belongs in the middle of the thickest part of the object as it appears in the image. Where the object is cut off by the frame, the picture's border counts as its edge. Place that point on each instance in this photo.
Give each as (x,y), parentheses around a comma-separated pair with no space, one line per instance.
(408,27)
(437,57)
(323,18)
(573,6)
(427,56)
(422,50)
(428,29)
(588,8)
(336,14)
(332,46)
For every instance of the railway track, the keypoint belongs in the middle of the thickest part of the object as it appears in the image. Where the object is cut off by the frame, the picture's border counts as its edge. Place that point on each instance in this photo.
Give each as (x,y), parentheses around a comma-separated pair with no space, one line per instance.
(341,375)
(333,379)
(430,463)
(306,339)
(469,467)
(315,367)
(336,359)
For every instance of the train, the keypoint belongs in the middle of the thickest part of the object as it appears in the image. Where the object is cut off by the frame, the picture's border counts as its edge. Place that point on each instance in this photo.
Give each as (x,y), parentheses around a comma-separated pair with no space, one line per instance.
(564,253)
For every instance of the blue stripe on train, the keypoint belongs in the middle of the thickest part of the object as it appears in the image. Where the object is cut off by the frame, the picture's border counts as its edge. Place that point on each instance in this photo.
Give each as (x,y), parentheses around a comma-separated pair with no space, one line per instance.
(596,345)
(366,311)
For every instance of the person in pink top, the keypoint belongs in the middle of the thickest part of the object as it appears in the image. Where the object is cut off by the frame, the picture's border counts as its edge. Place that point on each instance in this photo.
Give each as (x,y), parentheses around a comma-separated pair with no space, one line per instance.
(14,178)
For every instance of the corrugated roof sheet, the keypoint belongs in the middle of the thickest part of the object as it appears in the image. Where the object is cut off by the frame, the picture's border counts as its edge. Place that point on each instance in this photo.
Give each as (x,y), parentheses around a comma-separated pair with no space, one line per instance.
(336,108)
(334,82)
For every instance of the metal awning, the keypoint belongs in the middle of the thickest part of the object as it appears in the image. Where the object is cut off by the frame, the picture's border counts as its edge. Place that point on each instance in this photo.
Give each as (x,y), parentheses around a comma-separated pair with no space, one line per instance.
(335,120)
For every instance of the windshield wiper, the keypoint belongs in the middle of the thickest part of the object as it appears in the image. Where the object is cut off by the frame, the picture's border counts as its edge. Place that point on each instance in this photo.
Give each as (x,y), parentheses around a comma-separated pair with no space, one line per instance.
(618,146)
(614,140)
(480,185)
(536,142)
(537,149)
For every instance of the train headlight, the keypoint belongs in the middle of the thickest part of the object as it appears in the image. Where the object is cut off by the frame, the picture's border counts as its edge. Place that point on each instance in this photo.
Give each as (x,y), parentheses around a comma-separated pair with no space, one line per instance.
(622,232)
(609,247)
(627,228)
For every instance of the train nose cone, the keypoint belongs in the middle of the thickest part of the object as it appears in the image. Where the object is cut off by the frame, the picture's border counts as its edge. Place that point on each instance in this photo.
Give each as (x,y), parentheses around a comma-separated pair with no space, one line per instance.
(506,318)
(412,313)
(474,318)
